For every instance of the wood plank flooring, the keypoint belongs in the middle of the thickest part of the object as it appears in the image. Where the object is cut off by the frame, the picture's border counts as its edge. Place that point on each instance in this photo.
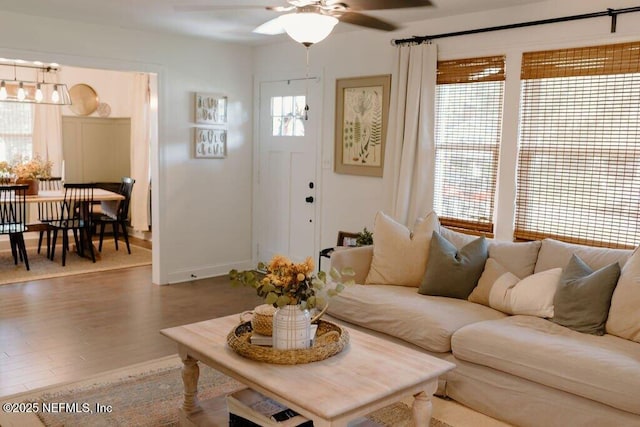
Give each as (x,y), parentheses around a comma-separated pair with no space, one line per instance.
(68,328)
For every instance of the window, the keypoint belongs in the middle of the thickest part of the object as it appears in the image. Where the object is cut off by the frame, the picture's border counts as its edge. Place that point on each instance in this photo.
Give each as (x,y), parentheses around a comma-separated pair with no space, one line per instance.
(469,99)
(16,129)
(579,150)
(287,114)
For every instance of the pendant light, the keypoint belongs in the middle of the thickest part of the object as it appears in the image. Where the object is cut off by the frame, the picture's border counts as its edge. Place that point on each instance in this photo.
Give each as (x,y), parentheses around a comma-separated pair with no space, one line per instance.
(37,91)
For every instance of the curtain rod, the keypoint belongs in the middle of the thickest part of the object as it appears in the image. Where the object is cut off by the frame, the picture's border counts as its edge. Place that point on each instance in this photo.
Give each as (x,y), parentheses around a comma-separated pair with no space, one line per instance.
(613,13)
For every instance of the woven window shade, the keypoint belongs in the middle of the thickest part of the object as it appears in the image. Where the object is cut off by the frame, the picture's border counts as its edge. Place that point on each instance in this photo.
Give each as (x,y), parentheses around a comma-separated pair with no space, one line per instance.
(471,70)
(579,151)
(469,99)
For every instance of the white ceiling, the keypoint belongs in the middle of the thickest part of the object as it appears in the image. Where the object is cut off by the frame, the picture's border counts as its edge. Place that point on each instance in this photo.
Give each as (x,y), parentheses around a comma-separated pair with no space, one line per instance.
(232,20)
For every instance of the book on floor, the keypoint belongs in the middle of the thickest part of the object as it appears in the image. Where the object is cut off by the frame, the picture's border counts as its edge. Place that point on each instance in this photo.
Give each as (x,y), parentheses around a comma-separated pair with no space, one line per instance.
(247,408)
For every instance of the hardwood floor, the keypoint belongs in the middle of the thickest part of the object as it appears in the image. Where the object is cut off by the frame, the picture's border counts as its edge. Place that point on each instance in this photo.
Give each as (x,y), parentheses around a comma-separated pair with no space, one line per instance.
(68,328)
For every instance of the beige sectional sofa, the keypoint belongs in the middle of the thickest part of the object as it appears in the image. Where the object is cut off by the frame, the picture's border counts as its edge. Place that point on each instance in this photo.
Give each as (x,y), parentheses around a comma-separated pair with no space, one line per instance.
(522,369)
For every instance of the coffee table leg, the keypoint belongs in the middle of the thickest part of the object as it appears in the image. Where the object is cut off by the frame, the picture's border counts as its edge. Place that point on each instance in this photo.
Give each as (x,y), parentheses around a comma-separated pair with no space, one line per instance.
(190,374)
(422,408)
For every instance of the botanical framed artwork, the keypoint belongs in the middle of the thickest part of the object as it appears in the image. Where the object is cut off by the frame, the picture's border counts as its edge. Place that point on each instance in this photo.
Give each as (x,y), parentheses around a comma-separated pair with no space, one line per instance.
(210,108)
(210,143)
(362,110)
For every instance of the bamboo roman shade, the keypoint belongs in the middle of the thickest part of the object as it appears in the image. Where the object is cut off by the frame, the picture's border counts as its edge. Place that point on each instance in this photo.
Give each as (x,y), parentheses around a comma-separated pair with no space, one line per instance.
(579,150)
(469,98)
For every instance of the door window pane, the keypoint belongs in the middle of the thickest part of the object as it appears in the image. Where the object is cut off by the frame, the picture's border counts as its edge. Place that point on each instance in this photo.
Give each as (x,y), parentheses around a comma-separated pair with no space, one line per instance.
(287,115)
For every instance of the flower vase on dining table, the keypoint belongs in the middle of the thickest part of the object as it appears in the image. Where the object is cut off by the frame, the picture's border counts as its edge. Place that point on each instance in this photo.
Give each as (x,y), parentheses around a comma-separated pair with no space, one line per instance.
(33,184)
(291,328)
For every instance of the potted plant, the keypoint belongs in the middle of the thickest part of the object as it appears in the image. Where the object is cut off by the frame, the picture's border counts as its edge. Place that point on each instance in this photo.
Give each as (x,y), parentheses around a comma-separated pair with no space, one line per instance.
(365,238)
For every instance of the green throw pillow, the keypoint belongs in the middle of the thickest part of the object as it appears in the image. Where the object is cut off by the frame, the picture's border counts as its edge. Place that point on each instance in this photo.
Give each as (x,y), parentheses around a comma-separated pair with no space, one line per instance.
(583,297)
(451,272)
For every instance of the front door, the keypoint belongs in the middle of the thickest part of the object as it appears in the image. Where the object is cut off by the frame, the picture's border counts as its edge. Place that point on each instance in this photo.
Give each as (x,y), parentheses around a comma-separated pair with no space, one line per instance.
(288,142)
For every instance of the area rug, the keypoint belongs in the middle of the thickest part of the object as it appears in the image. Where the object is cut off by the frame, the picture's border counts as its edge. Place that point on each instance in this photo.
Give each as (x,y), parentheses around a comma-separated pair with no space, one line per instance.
(151,398)
(43,268)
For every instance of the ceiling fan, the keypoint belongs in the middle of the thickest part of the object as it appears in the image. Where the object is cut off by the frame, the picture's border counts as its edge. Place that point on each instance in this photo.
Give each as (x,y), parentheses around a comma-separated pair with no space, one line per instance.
(306,15)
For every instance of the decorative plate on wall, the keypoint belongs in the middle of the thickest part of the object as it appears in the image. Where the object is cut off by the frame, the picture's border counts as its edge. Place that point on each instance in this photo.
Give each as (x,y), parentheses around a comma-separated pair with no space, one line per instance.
(104,109)
(84,100)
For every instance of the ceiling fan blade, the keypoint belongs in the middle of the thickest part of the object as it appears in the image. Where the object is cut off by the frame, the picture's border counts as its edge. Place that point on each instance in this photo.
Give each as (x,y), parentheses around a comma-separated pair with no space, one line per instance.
(280,8)
(362,20)
(209,7)
(271,27)
(379,4)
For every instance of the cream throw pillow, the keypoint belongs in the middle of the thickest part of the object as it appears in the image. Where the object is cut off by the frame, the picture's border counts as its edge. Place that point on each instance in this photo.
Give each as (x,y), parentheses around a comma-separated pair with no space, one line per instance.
(504,291)
(399,255)
(624,313)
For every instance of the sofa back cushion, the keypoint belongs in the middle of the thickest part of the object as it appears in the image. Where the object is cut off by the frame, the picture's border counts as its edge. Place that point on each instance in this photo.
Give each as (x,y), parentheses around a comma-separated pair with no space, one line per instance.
(554,253)
(358,259)
(453,272)
(399,254)
(624,314)
(518,258)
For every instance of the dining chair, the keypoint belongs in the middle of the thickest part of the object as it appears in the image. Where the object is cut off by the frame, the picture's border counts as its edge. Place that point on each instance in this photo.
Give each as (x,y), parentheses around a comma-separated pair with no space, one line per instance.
(47,211)
(119,218)
(76,215)
(13,211)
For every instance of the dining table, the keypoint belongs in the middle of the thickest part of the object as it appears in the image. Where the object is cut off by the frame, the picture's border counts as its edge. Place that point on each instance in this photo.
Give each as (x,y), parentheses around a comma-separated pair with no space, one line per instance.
(99,195)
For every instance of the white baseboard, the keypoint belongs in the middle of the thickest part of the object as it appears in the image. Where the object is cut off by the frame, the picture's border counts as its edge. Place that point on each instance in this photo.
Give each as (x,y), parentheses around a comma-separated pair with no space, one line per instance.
(207,271)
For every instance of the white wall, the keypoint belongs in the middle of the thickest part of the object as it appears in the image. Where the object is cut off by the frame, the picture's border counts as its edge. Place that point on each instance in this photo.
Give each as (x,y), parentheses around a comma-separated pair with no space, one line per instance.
(201,208)
(349,202)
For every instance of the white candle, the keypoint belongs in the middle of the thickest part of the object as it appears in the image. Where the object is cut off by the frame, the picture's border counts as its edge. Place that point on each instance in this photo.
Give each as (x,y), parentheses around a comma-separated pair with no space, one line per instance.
(62,172)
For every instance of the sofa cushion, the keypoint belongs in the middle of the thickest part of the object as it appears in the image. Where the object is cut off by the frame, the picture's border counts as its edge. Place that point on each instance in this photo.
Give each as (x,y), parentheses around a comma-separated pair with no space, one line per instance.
(554,253)
(453,272)
(624,313)
(425,321)
(583,298)
(602,368)
(399,255)
(502,290)
(517,257)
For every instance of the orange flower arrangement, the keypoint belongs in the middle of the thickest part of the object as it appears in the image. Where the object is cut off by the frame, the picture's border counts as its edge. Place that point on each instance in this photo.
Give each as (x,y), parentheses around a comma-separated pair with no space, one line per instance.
(288,283)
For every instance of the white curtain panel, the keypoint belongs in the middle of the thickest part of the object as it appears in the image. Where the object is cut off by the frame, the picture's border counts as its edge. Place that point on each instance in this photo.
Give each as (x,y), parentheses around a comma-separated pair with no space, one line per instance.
(47,132)
(410,151)
(140,145)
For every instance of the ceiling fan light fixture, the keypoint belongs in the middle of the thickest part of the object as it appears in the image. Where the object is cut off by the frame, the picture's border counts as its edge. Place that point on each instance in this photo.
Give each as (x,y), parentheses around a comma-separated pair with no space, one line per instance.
(308,28)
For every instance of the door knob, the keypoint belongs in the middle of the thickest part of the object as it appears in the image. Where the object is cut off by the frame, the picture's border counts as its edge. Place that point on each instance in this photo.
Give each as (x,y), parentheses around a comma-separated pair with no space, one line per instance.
(309,199)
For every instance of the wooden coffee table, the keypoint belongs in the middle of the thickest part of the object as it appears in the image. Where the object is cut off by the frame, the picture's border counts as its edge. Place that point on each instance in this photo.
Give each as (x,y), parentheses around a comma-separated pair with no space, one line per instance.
(369,374)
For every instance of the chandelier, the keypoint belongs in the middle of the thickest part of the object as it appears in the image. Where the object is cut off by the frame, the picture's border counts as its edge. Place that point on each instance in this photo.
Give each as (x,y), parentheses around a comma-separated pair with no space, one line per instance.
(34,89)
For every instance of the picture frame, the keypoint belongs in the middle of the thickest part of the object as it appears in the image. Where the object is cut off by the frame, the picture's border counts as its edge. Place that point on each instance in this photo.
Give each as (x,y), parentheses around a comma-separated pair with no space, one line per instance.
(347,239)
(210,143)
(210,108)
(362,111)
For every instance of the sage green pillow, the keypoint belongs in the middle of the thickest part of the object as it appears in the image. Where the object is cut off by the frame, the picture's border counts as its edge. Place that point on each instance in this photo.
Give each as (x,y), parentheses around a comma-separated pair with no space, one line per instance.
(583,297)
(452,272)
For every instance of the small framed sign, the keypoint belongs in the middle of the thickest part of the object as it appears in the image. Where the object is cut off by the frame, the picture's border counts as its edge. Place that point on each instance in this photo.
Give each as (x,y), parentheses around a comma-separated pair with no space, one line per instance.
(210,143)
(211,109)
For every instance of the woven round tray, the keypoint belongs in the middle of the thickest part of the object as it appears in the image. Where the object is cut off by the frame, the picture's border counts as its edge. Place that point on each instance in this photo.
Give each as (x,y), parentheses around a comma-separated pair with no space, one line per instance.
(324,347)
